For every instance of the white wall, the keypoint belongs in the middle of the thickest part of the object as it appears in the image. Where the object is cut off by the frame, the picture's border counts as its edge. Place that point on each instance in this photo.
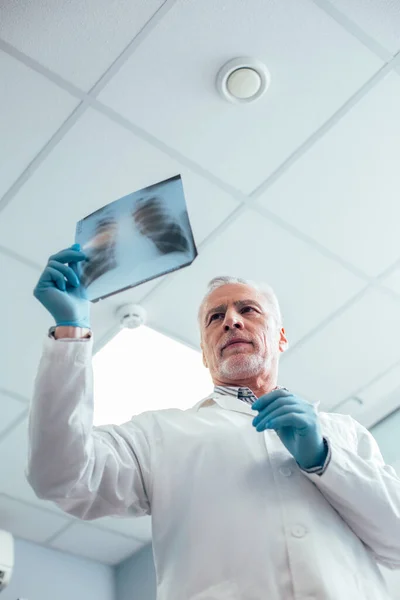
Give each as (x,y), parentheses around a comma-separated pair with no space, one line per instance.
(44,574)
(136,577)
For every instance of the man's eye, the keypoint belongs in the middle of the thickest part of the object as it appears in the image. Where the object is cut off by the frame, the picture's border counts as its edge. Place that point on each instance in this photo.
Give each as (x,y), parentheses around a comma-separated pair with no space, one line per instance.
(247,308)
(215,316)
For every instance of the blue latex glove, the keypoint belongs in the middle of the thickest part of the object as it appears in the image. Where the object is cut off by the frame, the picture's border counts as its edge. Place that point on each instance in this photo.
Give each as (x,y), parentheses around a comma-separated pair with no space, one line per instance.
(60,291)
(297,424)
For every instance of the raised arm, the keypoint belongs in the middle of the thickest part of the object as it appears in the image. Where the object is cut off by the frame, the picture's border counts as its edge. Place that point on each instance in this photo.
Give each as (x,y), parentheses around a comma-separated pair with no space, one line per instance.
(90,472)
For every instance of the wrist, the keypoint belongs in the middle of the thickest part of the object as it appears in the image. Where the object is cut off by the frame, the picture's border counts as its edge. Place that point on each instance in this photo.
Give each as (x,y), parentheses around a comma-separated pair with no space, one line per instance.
(70,331)
(318,459)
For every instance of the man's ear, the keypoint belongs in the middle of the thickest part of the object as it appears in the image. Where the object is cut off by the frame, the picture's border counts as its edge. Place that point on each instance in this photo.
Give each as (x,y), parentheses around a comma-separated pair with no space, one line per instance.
(283,341)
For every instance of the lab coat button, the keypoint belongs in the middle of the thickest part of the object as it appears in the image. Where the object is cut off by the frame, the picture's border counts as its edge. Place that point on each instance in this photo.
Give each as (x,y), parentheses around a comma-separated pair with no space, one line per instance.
(299,531)
(285,471)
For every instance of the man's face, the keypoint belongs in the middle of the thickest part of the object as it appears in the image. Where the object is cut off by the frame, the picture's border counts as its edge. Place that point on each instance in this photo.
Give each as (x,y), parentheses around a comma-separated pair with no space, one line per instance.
(239,336)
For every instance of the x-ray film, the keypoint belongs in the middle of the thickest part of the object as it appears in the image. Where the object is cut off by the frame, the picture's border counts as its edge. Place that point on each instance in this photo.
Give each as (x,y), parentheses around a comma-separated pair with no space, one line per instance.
(135,239)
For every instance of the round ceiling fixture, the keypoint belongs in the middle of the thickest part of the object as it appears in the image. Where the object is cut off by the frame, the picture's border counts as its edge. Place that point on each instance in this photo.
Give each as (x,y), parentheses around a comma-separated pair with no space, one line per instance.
(131,315)
(243,80)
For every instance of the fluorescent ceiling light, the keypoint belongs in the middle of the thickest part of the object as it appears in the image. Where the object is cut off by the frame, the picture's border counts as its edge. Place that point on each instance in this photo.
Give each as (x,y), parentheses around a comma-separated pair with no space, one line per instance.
(140,370)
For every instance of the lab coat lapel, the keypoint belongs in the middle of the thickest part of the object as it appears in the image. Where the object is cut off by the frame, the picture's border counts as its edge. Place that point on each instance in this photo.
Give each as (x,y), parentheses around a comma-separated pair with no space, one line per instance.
(231,403)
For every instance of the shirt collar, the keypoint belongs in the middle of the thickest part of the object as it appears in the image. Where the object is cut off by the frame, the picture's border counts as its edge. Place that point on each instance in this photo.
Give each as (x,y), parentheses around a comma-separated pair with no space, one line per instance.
(241,393)
(229,393)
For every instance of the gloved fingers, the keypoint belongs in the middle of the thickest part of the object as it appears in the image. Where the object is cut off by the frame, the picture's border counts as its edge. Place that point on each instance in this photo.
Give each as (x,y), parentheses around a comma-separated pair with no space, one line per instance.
(264,419)
(267,399)
(298,421)
(283,401)
(50,276)
(74,268)
(280,409)
(65,271)
(69,255)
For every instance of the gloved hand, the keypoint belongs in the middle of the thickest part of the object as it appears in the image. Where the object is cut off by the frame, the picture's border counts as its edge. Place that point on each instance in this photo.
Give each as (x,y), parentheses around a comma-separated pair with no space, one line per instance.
(297,424)
(60,291)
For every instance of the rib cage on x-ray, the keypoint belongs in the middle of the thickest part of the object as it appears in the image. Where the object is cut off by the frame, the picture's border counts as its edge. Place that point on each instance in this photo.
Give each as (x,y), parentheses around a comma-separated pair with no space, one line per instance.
(160,225)
(103,260)
(154,221)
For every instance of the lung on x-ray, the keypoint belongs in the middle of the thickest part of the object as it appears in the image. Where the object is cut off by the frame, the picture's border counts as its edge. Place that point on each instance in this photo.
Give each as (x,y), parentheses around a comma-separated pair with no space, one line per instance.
(135,239)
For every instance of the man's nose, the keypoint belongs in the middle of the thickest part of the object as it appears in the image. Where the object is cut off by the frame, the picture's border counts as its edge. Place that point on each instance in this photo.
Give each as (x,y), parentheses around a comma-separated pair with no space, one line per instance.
(232,321)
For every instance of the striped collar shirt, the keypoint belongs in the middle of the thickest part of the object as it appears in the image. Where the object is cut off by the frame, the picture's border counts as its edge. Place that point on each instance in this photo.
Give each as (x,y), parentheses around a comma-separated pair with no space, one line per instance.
(242,393)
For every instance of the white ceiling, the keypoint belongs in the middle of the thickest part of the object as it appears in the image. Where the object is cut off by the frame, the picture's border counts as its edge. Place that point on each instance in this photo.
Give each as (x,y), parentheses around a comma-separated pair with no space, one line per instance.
(300,189)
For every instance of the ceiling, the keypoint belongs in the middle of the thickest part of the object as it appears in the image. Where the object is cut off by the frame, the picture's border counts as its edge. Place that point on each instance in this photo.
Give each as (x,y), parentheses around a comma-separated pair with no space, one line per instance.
(300,189)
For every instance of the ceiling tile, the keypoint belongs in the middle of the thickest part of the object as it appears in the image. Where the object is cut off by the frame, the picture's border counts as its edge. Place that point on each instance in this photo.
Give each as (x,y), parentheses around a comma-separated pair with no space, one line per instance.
(386,433)
(380,398)
(12,471)
(103,546)
(386,405)
(351,406)
(31,110)
(309,285)
(138,528)
(24,329)
(375,401)
(29,522)
(344,191)
(242,144)
(393,281)
(11,410)
(94,164)
(351,350)
(96,30)
(379,18)
(383,386)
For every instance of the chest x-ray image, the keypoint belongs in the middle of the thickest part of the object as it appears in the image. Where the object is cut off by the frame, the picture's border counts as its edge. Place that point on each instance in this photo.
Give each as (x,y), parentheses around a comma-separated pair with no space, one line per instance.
(135,239)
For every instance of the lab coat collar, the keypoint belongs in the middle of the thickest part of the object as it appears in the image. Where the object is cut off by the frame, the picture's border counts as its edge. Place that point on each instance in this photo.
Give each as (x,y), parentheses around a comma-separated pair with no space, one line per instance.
(227,402)
(231,403)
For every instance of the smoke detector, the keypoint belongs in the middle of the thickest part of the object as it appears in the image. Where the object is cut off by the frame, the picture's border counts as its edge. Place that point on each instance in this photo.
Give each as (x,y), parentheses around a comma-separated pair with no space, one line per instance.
(243,80)
(131,316)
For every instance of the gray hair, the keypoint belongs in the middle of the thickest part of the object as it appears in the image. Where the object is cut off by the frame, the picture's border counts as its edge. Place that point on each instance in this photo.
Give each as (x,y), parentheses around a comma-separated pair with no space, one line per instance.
(265,289)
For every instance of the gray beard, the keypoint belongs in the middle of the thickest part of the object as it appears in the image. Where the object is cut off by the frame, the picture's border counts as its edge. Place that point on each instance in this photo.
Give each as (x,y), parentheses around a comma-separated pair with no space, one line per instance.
(248,366)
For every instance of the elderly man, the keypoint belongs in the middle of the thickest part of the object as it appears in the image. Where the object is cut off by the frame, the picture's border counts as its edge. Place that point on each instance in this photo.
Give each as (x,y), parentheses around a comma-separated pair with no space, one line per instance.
(252,493)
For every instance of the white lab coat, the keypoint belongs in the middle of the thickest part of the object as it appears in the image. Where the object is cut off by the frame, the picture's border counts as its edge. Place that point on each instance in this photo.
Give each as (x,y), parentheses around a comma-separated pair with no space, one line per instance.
(233,515)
